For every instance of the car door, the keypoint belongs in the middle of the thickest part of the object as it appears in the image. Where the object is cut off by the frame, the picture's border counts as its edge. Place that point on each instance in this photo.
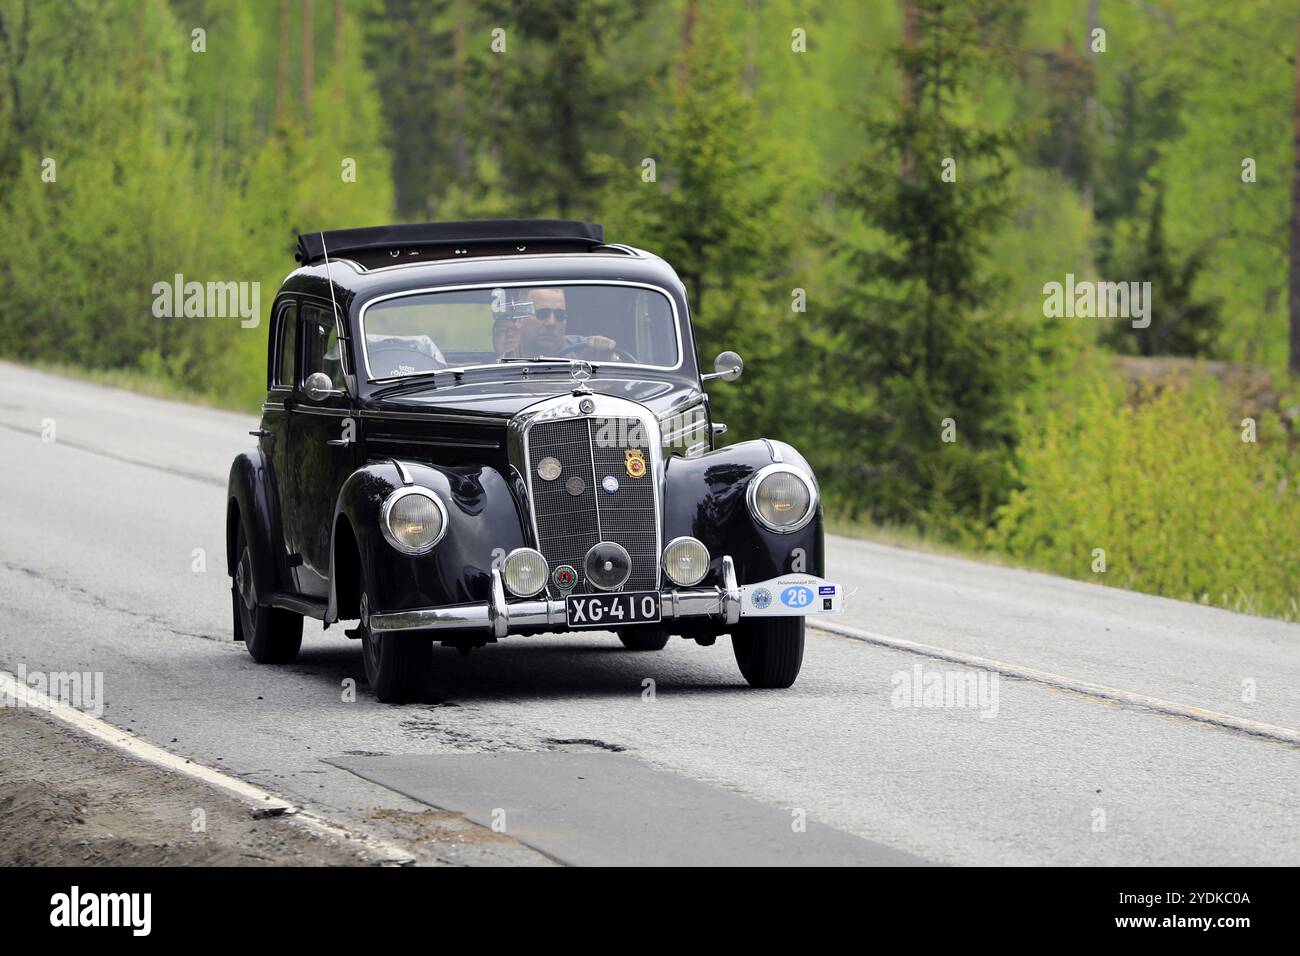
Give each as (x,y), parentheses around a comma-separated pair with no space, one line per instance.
(322,448)
(273,436)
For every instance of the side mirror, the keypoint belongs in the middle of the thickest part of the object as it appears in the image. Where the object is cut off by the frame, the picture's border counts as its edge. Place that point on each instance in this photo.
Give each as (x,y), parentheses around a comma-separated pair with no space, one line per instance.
(727,366)
(318,386)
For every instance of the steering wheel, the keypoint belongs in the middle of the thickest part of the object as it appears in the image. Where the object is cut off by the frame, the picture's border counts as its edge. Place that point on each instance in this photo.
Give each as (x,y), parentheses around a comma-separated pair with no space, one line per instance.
(621,355)
(390,359)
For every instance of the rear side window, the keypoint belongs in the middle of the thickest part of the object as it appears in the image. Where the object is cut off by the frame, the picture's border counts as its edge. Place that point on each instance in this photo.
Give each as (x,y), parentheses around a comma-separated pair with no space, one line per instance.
(287,346)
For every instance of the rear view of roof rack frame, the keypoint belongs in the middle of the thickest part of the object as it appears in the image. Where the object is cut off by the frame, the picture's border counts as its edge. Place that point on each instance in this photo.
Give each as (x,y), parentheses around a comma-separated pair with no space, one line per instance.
(389,245)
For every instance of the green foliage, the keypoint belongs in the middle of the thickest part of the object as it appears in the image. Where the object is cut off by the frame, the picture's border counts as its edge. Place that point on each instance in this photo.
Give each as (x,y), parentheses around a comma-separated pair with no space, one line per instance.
(157,175)
(1181,323)
(714,210)
(916,326)
(98,227)
(547,104)
(1164,483)
(416,52)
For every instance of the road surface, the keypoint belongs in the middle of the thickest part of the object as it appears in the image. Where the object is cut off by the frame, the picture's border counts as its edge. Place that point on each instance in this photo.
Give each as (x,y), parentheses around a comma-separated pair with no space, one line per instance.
(1082,724)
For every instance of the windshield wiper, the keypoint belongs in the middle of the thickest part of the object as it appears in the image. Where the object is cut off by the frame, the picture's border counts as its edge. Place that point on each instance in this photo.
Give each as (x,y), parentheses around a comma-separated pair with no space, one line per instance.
(426,379)
(423,380)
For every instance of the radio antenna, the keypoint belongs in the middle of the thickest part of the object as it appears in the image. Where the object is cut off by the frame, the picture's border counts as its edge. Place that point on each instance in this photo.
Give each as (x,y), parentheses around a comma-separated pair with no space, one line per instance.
(339,327)
(325,249)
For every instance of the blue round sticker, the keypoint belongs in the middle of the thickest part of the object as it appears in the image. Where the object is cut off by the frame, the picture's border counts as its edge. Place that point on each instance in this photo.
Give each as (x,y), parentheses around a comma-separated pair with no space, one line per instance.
(797,596)
(609,483)
(762,598)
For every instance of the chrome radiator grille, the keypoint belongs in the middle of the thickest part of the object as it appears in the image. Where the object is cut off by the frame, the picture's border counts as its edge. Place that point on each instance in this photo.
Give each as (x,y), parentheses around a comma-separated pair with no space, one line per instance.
(567,524)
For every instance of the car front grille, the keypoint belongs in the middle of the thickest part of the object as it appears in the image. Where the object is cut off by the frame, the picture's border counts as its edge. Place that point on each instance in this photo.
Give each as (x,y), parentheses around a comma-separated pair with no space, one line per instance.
(568,524)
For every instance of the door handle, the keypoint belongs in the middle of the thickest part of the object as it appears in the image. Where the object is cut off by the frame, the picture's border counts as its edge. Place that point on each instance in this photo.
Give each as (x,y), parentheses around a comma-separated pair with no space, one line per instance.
(338,442)
(259,433)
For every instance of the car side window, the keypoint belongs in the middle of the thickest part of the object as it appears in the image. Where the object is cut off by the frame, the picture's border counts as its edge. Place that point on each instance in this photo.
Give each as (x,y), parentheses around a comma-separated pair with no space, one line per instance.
(321,334)
(286,347)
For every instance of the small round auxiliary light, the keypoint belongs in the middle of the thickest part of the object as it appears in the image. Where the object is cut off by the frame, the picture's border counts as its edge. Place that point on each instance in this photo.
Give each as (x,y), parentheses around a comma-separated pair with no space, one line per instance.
(548,469)
(607,565)
(525,572)
(686,561)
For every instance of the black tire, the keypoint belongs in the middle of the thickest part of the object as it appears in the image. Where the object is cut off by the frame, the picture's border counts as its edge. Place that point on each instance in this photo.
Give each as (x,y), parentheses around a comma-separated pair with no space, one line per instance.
(769,650)
(397,665)
(271,634)
(644,638)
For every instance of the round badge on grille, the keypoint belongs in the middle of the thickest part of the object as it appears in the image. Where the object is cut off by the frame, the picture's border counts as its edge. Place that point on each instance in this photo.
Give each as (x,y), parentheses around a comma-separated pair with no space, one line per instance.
(586,406)
(609,483)
(575,486)
(564,577)
(548,469)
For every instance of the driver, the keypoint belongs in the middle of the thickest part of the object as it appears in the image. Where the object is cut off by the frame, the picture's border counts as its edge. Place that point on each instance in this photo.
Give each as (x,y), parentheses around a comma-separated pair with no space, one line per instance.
(541,315)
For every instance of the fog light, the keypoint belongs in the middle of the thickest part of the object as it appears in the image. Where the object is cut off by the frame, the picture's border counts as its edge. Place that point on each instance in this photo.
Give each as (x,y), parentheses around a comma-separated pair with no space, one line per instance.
(525,572)
(686,561)
(607,565)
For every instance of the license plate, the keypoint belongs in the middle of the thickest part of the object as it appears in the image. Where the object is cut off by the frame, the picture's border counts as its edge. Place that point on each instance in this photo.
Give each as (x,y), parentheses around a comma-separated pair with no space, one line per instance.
(612,610)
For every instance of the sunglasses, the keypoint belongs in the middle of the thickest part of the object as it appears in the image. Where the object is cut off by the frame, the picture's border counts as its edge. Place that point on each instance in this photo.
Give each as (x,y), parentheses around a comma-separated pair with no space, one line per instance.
(561,315)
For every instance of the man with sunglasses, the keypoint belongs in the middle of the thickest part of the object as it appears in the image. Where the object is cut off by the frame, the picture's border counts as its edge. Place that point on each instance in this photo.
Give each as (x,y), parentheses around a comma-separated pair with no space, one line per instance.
(535,325)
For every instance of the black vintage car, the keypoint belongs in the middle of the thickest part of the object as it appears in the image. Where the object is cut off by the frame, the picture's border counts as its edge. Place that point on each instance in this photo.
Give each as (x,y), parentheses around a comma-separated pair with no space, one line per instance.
(482,429)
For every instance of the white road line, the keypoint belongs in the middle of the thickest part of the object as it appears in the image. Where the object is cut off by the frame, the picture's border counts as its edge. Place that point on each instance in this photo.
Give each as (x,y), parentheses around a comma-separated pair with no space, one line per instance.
(263,802)
(1214,718)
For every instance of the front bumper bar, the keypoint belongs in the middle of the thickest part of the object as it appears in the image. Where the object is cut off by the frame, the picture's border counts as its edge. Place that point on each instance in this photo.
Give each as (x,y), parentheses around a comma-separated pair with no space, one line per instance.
(499,618)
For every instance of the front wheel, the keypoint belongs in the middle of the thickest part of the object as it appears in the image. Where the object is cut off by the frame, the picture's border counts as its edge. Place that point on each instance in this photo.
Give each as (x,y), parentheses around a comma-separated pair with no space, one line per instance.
(769,650)
(271,634)
(397,665)
(644,638)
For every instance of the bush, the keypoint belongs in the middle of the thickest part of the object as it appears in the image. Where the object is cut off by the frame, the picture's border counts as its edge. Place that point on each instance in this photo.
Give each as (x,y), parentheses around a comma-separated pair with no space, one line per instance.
(1163,481)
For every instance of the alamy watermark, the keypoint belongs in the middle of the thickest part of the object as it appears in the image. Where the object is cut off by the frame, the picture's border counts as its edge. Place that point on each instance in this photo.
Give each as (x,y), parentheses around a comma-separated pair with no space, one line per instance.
(211,300)
(1086,299)
(133,911)
(976,690)
(83,690)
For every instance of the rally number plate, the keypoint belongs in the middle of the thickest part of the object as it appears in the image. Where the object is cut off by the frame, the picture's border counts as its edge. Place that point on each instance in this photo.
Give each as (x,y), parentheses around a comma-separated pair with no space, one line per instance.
(793,595)
(612,610)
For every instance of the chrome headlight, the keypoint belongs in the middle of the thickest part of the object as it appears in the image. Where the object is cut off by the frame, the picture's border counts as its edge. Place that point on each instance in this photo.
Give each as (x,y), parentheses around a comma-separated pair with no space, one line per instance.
(525,572)
(686,561)
(413,520)
(782,498)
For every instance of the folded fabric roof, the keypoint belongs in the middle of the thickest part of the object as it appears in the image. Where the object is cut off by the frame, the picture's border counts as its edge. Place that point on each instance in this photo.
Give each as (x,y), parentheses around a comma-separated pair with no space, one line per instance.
(530,233)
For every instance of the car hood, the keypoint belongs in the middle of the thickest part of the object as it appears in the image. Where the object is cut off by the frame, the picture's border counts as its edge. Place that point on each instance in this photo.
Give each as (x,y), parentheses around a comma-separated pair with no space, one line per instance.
(499,399)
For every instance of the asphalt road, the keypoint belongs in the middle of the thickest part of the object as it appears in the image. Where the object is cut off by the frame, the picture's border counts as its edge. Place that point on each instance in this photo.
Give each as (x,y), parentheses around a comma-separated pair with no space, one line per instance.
(101,529)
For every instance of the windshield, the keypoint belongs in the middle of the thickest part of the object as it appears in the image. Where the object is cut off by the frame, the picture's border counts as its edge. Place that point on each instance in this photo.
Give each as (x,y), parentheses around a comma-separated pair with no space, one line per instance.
(429,331)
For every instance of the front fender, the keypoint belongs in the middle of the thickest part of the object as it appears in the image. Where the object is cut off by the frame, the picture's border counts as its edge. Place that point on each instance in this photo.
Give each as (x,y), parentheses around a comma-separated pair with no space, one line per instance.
(483,524)
(249,493)
(705,498)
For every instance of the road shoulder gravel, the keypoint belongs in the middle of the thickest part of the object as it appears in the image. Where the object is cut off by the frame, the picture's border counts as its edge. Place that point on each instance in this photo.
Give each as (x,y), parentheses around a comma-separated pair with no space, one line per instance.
(67,800)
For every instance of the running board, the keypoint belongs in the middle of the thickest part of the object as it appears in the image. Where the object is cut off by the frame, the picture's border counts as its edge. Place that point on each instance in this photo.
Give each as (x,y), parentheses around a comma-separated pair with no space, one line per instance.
(299,605)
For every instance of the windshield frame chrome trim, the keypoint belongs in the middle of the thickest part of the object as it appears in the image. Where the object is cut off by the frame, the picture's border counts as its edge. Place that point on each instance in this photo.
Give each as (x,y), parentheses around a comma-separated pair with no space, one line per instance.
(514,284)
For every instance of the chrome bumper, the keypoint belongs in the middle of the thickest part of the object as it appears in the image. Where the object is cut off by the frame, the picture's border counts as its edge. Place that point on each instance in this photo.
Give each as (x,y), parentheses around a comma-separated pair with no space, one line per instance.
(499,618)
